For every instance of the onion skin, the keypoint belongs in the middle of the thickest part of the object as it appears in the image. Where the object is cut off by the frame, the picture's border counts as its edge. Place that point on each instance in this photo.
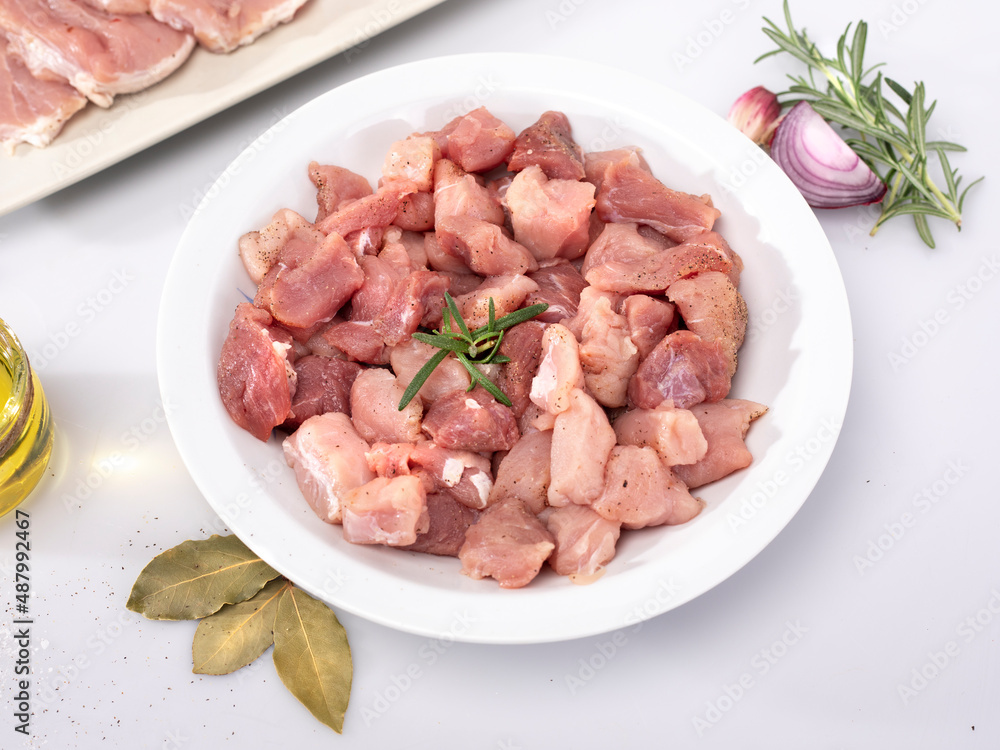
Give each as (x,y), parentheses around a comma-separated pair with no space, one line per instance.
(756,114)
(820,164)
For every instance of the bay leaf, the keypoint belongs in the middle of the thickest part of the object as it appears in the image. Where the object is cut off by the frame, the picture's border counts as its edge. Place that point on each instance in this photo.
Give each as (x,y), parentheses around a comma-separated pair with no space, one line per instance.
(312,656)
(238,633)
(195,578)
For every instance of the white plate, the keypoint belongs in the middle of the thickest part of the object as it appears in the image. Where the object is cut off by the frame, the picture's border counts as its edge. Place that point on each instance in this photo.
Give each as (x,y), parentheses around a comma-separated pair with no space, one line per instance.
(207,83)
(797,359)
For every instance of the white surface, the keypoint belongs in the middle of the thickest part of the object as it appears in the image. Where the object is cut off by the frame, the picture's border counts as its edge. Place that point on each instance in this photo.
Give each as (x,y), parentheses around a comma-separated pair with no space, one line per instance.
(82,277)
(801,368)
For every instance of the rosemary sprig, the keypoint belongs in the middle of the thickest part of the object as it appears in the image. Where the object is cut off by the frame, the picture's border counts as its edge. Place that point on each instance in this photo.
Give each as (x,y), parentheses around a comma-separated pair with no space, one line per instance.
(891,139)
(471,348)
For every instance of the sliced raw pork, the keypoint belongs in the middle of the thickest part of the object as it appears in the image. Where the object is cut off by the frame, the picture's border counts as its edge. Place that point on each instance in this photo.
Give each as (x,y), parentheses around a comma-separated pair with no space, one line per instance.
(375,398)
(447,522)
(478,141)
(559,372)
(328,457)
(507,543)
(322,385)
(551,217)
(100,55)
(725,425)
(523,472)
(32,111)
(224,25)
(673,433)
(582,441)
(585,540)
(386,511)
(559,287)
(640,490)
(336,187)
(713,308)
(472,421)
(549,144)
(682,368)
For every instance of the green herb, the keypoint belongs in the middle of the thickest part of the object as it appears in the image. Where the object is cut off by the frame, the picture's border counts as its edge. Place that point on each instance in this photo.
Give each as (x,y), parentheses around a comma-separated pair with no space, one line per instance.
(471,348)
(248,607)
(891,139)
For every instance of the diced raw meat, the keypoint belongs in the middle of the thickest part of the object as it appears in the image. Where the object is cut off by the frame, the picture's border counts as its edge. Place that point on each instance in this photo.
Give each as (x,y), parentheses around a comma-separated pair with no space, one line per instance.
(422,292)
(559,372)
(322,385)
(358,341)
(549,144)
(381,276)
(582,441)
(328,457)
(32,111)
(523,345)
(448,521)
(590,297)
(458,193)
(635,264)
(683,368)
(725,425)
(649,319)
(596,163)
(120,6)
(224,25)
(550,217)
(376,210)
(256,378)
(585,540)
(412,159)
(673,433)
(630,193)
(508,293)
(100,55)
(309,282)
(507,543)
(259,250)
(386,511)
(559,287)
(336,187)
(472,421)
(410,355)
(478,141)
(639,490)
(523,472)
(375,398)
(607,355)
(483,246)
(416,212)
(712,307)
(463,475)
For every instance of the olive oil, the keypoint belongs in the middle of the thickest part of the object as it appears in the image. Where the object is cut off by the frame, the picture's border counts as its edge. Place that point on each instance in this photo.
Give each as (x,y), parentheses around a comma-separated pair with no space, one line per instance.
(25,424)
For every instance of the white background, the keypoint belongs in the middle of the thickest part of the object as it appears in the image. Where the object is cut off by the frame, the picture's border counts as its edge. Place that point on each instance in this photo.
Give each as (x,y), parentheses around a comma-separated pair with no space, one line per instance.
(807,646)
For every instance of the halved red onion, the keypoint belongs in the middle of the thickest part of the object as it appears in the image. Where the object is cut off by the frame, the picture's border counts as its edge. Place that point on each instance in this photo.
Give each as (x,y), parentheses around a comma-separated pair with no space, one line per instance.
(821,165)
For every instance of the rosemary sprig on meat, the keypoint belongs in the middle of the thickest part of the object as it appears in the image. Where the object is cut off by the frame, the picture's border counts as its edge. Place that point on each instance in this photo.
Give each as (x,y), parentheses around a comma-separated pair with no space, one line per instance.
(891,139)
(471,348)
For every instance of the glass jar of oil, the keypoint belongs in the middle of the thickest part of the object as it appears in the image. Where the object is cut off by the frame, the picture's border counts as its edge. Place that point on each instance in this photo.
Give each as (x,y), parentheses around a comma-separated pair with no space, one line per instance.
(25,424)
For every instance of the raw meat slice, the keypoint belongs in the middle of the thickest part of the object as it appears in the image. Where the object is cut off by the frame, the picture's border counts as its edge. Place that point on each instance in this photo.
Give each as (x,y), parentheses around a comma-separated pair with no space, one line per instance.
(322,385)
(507,543)
(472,421)
(597,163)
(725,425)
(328,457)
(523,472)
(549,144)
(550,217)
(336,187)
(377,210)
(255,374)
(683,368)
(483,246)
(713,308)
(259,250)
(386,511)
(413,299)
(224,25)
(630,193)
(32,111)
(585,540)
(673,433)
(582,441)
(100,55)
